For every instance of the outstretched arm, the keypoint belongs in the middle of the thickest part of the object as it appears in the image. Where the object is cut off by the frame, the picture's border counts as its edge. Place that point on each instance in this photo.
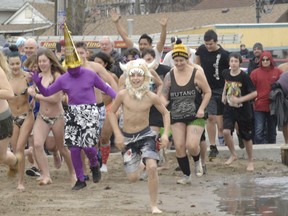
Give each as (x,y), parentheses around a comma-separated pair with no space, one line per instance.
(105,76)
(100,84)
(116,20)
(52,89)
(119,139)
(161,42)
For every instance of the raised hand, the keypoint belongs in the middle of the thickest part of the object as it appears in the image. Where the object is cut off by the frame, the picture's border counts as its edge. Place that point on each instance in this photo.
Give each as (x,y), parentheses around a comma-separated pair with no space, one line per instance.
(115,16)
(163,20)
(35,77)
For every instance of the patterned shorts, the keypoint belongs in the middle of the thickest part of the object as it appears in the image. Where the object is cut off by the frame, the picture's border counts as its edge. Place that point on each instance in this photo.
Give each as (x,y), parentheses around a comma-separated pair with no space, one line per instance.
(82,125)
(6,124)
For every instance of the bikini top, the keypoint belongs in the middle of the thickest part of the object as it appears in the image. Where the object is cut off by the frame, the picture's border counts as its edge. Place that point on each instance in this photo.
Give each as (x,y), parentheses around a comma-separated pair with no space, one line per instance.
(23,92)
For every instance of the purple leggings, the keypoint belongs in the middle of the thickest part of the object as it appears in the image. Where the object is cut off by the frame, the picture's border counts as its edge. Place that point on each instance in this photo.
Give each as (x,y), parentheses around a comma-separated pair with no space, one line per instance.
(91,153)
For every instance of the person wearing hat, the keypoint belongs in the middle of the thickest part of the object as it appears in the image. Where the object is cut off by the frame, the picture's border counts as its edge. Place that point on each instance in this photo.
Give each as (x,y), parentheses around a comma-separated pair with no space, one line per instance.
(187,92)
(255,60)
(20,42)
(244,52)
(136,139)
(82,115)
(168,60)
(263,77)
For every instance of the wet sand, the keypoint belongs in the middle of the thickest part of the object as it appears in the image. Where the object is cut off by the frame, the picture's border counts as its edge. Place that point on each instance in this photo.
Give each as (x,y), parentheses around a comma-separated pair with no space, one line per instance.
(114,195)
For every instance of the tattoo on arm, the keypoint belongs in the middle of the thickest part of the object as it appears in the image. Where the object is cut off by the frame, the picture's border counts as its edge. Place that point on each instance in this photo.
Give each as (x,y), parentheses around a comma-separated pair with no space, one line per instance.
(167,85)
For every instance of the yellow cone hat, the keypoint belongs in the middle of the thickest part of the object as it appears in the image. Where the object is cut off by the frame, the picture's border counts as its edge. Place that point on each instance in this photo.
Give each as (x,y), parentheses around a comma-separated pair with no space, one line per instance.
(72,59)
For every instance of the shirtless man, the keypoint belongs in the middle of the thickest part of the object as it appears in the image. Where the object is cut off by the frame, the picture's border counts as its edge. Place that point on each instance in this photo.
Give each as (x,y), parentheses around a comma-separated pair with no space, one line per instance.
(137,140)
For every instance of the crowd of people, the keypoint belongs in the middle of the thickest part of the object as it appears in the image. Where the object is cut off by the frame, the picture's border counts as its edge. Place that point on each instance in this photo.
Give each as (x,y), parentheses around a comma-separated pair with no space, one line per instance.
(72,104)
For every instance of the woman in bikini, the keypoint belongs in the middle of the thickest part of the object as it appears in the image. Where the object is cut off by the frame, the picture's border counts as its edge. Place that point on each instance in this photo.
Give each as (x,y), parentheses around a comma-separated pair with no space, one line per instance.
(23,117)
(31,64)
(6,122)
(50,116)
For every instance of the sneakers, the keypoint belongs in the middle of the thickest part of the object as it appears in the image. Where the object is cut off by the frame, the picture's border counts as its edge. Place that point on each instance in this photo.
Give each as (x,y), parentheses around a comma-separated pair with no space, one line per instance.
(177,168)
(104,168)
(185,180)
(79,185)
(33,171)
(240,141)
(86,178)
(213,151)
(96,174)
(198,168)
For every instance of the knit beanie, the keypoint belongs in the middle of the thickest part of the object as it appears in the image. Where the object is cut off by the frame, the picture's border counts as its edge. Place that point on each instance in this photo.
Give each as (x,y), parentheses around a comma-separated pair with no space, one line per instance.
(180,50)
(20,41)
(258,45)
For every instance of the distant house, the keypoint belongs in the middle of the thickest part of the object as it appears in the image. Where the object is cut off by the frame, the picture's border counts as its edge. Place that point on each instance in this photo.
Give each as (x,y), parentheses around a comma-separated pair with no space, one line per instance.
(25,17)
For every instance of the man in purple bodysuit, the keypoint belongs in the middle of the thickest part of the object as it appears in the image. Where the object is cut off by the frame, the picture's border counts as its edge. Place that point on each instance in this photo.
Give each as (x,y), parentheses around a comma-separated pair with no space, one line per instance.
(82,117)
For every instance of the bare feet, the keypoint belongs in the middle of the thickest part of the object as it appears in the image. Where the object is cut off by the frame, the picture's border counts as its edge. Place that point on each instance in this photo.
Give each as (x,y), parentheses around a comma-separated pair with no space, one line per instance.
(21,187)
(57,160)
(40,178)
(231,160)
(45,181)
(250,167)
(73,180)
(155,210)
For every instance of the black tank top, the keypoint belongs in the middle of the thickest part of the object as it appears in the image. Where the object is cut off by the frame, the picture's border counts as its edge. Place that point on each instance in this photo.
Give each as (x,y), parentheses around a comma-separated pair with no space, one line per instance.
(184,100)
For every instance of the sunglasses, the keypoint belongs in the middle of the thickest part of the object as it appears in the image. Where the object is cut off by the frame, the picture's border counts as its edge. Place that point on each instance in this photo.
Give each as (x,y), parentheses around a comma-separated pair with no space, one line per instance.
(265,59)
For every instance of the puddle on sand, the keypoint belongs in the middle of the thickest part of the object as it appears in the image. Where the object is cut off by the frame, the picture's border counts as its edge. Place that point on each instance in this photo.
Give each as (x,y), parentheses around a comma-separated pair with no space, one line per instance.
(254,196)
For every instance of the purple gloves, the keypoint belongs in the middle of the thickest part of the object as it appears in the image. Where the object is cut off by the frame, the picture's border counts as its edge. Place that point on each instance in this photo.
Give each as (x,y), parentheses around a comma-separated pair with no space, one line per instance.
(35,77)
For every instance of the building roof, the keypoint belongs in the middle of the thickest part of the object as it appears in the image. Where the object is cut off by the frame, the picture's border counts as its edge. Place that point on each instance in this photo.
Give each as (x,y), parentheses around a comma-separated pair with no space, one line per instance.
(14,5)
(45,13)
(215,4)
(186,20)
(191,19)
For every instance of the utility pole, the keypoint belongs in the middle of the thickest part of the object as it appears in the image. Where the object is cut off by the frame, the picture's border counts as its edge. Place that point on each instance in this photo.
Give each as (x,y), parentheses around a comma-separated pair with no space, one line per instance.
(60,15)
(258,8)
(137,9)
(263,6)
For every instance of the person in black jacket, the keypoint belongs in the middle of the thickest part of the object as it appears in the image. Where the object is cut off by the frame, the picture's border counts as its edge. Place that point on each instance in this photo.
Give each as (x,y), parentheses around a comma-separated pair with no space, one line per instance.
(254,61)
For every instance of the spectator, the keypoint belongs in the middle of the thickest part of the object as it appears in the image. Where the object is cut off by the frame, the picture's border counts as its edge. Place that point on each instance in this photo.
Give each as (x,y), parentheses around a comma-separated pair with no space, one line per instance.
(263,77)
(255,60)
(107,46)
(244,52)
(20,44)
